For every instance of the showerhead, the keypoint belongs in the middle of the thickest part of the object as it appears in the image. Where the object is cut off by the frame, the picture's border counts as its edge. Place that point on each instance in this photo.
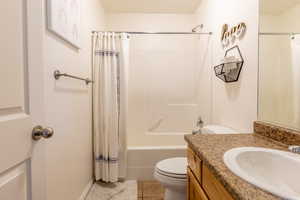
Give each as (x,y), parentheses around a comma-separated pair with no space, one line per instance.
(194,30)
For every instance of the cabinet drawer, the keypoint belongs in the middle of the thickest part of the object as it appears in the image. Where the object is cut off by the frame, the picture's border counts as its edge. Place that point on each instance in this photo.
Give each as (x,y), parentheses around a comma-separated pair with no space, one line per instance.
(195,164)
(194,192)
(213,188)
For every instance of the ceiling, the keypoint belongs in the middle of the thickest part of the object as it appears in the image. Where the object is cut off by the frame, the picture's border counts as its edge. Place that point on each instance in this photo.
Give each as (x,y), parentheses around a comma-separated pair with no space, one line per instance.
(151,6)
(276,7)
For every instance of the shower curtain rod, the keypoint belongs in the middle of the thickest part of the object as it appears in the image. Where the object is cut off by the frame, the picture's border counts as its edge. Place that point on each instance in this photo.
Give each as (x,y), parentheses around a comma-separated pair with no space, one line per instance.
(162,33)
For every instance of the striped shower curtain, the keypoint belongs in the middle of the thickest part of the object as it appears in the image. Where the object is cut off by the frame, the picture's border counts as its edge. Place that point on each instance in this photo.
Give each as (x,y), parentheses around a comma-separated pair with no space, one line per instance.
(110,73)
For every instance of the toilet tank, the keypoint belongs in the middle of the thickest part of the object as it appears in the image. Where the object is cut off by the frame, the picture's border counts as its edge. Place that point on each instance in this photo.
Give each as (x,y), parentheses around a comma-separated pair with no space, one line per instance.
(217,129)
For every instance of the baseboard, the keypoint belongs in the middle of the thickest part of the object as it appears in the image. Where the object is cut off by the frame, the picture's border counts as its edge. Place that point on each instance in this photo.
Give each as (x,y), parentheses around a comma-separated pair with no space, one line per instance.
(86,190)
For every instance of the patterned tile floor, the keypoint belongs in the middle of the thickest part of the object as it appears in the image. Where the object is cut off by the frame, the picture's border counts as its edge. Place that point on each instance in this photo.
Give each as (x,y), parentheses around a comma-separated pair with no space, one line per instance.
(128,190)
(115,191)
(150,190)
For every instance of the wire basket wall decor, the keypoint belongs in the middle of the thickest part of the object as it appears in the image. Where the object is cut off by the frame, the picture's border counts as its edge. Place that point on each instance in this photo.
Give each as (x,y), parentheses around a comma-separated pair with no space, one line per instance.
(230,71)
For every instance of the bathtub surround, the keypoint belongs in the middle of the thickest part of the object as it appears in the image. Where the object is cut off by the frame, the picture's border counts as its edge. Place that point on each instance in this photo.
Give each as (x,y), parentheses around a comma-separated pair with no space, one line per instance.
(69,166)
(233,105)
(110,66)
(163,104)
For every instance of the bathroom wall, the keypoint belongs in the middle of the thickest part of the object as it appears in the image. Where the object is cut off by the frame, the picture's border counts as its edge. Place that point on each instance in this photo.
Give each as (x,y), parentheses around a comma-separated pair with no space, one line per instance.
(165,70)
(150,22)
(68,109)
(234,104)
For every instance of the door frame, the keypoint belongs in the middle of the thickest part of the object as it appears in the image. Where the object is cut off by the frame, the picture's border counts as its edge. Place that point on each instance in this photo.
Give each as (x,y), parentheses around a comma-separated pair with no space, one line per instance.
(35,20)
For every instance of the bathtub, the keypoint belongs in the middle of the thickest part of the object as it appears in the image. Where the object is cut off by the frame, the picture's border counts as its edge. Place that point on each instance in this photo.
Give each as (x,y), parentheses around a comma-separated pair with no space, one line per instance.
(142,160)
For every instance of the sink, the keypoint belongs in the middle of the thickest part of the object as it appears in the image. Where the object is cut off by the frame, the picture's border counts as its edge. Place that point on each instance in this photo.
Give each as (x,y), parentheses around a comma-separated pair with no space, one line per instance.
(277,172)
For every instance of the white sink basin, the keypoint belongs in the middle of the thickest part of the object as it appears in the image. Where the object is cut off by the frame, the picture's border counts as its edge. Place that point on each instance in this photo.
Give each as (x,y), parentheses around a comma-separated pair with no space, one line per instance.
(277,172)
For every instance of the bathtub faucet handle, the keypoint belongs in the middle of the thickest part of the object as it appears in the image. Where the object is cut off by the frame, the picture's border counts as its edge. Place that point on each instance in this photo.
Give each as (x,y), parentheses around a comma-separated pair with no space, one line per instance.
(199,126)
(200,122)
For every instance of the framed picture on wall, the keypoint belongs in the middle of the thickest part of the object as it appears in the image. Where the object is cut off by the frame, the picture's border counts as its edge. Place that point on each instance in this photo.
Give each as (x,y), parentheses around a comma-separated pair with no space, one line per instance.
(63,19)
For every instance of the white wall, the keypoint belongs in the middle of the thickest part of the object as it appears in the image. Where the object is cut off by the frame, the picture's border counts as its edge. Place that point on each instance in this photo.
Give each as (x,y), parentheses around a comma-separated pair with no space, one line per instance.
(68,109)
(150,22)
(234,104)
(164,97)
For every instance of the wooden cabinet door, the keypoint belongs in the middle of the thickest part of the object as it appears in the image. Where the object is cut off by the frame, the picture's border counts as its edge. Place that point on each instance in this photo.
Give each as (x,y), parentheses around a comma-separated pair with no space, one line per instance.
(195,164)
(194,190)
(213,188)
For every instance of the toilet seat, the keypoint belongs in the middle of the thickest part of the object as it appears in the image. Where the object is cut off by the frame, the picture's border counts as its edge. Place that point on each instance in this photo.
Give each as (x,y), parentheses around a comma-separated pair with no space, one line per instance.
(174,168)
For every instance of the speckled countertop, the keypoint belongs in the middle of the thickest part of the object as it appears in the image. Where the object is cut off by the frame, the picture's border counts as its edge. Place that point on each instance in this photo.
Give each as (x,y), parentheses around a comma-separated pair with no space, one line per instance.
(211,148)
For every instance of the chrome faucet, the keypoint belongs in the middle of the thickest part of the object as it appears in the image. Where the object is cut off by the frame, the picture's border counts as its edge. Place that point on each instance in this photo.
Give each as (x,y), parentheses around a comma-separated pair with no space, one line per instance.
(200,122)
(295,149)
(199,126)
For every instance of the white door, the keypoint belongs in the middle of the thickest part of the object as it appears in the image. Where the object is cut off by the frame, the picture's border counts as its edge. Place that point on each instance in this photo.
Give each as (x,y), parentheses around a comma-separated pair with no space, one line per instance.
(20,98)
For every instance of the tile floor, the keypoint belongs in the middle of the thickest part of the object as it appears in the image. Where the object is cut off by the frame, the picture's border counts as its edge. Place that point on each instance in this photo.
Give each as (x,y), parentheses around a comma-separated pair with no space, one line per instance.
(126,190)
(150,190)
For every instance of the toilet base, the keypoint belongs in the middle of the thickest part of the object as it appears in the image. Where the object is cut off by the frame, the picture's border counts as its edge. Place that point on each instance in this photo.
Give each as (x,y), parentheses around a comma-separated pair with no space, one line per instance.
(174,195)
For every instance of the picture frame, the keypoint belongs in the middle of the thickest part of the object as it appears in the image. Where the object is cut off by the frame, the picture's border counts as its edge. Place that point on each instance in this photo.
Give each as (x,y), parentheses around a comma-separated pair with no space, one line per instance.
(63,19)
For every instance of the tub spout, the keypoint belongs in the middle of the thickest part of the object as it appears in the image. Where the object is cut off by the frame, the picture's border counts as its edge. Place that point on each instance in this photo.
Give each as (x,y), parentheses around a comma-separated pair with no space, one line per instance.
(199,125)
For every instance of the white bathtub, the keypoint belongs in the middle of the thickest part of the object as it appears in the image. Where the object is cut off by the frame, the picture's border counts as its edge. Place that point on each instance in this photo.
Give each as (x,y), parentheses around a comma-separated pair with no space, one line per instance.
(141,160)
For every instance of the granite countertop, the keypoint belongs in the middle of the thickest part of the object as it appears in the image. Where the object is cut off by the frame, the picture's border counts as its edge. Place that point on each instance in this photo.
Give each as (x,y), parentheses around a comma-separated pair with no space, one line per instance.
(211,148)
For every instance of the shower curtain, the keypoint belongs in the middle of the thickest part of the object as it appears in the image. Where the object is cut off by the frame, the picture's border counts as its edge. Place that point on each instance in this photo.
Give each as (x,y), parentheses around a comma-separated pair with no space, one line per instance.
(295,45)
(110,73)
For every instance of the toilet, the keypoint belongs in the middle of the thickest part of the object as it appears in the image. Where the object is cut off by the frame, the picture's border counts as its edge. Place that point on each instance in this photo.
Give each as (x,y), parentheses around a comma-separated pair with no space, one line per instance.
(172,172)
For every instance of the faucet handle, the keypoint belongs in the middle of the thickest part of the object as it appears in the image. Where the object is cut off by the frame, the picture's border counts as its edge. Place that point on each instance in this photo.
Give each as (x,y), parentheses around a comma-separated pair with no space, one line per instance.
(295,149)
(200,122)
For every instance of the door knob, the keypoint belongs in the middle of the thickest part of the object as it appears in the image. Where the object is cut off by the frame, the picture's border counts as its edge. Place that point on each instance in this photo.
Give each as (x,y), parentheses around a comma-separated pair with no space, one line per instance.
(39,132)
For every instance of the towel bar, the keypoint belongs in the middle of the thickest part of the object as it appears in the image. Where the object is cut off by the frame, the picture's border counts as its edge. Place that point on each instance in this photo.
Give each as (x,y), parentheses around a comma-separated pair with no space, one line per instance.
(58,74)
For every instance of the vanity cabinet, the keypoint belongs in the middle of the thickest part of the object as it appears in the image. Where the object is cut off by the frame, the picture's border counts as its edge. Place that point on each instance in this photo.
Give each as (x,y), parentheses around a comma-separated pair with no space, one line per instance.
(202,184)
(195,192)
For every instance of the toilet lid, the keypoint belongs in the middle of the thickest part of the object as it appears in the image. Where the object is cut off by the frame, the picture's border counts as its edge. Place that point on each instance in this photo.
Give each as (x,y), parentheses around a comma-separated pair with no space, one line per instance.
(176,166)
